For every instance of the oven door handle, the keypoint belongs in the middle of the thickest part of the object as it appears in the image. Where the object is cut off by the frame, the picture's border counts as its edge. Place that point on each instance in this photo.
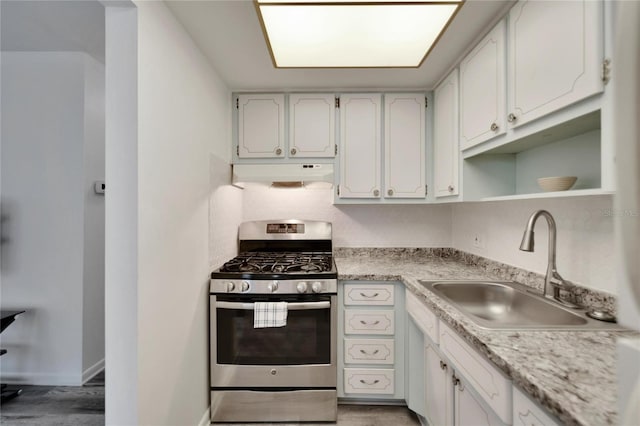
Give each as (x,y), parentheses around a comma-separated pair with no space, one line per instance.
(290,306)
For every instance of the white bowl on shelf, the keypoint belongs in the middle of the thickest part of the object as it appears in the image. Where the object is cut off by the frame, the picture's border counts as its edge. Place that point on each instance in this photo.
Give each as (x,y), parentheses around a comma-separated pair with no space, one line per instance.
(557,183)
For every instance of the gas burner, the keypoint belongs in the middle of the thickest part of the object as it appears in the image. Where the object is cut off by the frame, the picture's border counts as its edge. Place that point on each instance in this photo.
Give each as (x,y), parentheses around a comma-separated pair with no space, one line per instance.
(285,262)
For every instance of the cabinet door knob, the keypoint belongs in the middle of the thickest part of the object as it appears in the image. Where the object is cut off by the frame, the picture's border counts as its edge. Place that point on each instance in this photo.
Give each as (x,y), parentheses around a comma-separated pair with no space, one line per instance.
(443,366)
(293,151)
(511,118)
(450,188)
(278,151)
(494,126)
(455,380)
(390,192)
(376,193)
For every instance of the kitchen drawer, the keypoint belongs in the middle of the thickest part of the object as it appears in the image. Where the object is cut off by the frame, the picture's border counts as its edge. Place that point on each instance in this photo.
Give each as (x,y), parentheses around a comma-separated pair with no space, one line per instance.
(368,351)
(527,412)
(488,382)
(424,318)
(368,294)
(369,380)
(359,321)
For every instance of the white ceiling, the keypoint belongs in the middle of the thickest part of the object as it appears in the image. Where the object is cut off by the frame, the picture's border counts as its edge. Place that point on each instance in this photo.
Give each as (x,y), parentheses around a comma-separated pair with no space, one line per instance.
(53,26)
(228,32)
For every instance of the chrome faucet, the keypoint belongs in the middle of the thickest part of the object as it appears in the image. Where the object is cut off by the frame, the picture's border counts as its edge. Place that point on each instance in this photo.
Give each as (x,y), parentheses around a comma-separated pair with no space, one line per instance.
(553,282)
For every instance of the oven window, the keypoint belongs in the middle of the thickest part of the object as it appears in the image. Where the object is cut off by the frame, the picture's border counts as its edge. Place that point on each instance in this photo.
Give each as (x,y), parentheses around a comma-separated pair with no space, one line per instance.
(306,339)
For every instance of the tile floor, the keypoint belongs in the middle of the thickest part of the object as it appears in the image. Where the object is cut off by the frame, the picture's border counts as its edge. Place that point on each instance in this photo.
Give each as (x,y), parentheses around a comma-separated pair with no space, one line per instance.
(84,406)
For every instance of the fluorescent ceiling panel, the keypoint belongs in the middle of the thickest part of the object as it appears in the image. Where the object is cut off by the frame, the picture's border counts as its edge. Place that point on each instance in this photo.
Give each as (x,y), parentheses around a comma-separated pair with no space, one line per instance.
(335,34)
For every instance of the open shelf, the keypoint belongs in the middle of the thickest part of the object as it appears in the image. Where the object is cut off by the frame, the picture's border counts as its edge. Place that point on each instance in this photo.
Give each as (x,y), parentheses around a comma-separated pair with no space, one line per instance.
(511,172)
(555,194)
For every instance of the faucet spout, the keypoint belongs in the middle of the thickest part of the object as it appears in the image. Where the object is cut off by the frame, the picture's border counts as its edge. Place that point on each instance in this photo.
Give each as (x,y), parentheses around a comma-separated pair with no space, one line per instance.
(553,282)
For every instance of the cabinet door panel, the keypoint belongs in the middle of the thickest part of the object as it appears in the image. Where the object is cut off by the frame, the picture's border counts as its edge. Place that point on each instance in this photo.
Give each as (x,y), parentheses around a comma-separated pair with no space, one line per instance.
(261,126)
(527,413)
(438,388)
(555,55)
(365,381)
(360,145)
(312,125)
(368,294)
(369,322)
(369,351)
(423,317)
(482,90)
(415,368)
(404,146)
(446,154)
(488,382)
(470,410)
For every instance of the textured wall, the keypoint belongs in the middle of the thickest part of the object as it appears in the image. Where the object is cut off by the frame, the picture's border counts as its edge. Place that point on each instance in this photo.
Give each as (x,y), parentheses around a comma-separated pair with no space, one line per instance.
(354,225)
(585,240)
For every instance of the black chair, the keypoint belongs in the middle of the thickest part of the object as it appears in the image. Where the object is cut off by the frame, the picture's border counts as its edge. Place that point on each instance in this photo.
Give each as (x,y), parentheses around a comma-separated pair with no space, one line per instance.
(7,318)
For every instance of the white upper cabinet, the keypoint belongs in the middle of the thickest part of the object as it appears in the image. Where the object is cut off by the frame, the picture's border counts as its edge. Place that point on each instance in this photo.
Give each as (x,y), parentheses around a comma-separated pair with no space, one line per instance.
(404,143)
(555,56)
(312,125)
(446,153)
(482,90)
(261,126)
(360,124)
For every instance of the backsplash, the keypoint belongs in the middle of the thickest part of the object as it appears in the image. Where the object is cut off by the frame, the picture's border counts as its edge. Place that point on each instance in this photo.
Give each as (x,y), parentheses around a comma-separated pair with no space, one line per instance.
(581,295)
(585,240)
(354,225)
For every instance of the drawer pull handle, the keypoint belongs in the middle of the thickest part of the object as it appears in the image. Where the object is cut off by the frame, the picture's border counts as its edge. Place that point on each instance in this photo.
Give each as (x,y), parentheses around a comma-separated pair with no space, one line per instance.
(363,322)
(369,296)
(364,382)
(369,353)
(443,366)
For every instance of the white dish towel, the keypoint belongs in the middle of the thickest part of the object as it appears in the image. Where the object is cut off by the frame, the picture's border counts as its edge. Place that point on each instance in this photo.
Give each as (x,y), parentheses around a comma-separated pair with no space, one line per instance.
(269,314)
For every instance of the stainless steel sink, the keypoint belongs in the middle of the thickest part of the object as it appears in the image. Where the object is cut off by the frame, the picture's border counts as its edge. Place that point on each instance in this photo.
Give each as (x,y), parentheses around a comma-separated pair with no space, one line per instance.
(507,305)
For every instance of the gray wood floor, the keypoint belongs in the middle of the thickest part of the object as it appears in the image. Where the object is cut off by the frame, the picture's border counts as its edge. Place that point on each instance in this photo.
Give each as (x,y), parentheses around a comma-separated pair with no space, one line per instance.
(84,406)
(56,405)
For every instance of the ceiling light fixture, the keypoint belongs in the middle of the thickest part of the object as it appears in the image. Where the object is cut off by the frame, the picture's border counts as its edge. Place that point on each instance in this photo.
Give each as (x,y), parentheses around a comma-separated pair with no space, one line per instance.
(353,34)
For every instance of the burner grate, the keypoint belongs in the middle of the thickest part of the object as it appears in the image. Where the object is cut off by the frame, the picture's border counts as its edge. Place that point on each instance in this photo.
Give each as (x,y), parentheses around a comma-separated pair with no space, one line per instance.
(285,262)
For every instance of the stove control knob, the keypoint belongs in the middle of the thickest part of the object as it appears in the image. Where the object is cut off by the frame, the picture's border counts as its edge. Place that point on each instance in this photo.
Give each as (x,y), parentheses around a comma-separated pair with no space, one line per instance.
(245,286)
(316,287)
(230,287)
(302,287)
(272,287)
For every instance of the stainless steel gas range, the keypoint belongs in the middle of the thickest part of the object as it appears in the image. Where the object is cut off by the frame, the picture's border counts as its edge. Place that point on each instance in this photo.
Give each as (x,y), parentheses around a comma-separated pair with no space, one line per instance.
(282,373)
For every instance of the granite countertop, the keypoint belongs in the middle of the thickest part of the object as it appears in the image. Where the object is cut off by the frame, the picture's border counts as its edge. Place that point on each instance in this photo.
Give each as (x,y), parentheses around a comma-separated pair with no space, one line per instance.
(570,373)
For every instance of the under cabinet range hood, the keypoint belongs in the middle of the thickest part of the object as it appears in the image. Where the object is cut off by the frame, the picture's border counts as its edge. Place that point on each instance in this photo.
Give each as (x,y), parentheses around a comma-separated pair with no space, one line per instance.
(284,175)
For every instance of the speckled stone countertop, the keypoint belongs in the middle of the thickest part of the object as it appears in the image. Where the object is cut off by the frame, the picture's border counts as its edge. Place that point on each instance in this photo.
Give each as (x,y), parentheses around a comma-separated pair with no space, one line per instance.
(570,373)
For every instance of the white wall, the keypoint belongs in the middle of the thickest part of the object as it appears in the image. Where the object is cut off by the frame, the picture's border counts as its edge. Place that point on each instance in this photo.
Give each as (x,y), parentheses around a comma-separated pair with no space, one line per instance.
(43,198)
(93,259)
(121,215)
(354,225)
(585,239)
(184,117)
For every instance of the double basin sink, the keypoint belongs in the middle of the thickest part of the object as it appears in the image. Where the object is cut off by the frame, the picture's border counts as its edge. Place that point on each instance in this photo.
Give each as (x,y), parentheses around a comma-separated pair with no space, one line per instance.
(507,305)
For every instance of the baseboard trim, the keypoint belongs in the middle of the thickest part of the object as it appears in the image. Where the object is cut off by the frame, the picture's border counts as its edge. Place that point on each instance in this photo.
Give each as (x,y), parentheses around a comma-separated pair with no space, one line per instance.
(90,372)
(41,379)
(206,418)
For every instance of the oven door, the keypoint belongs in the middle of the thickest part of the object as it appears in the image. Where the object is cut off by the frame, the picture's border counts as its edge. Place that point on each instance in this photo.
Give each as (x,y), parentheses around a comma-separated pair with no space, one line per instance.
(300,354)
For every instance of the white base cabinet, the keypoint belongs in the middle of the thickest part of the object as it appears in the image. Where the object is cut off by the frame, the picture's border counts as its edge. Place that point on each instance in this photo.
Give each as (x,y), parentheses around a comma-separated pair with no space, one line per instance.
(371,335)
(460,386)
(528,413)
